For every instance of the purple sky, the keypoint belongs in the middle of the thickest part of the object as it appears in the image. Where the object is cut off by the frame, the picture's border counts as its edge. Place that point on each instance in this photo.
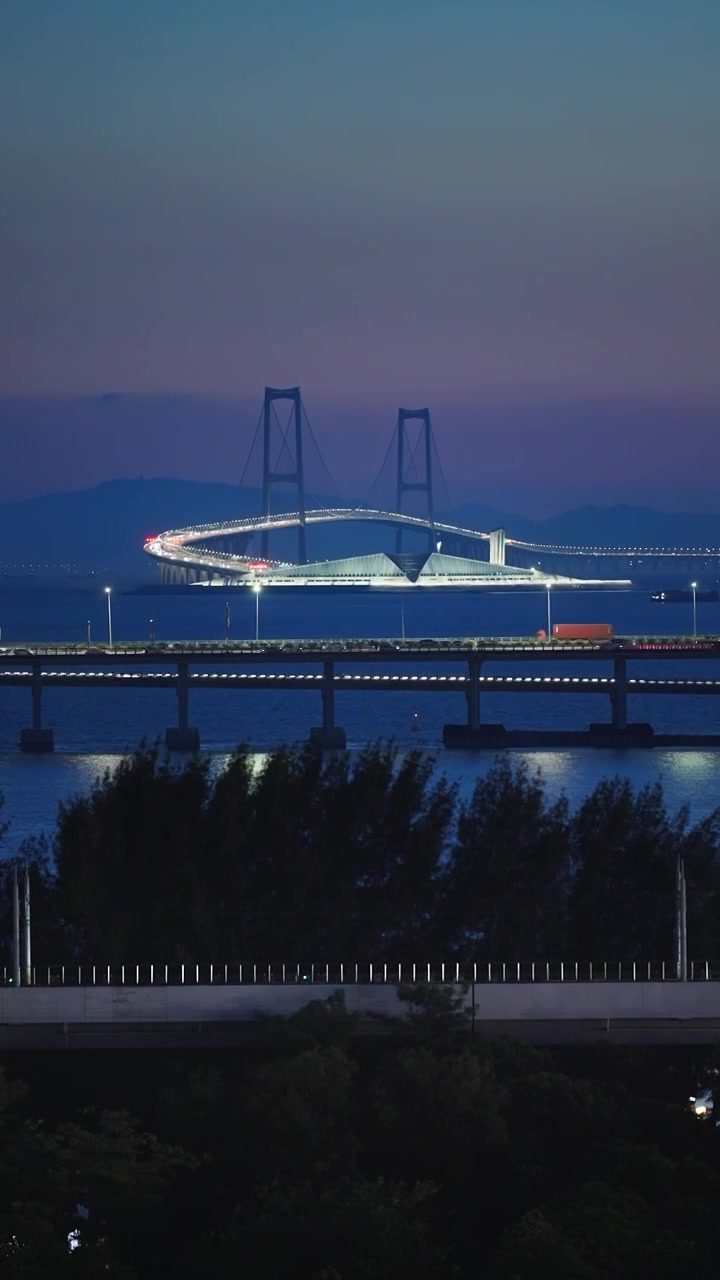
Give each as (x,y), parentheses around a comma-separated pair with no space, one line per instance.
(507,211)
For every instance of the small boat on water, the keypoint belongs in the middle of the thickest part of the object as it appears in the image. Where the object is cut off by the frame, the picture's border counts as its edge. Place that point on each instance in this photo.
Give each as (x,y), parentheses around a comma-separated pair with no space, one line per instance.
(684,597)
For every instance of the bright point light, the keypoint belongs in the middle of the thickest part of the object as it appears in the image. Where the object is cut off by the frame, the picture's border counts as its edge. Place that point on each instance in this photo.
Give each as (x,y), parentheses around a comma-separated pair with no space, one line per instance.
(257,587)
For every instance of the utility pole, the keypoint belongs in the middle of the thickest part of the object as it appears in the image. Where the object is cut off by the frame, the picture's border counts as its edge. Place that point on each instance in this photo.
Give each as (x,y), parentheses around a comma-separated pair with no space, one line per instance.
(16,929)
(27,944)
(681,959)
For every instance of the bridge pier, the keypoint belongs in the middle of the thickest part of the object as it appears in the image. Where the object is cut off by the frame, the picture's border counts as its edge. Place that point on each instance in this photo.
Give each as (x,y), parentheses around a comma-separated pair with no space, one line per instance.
(328,736)
(472,695)
(619,732)
(473,734)
(37,740)
(618,695)
(184,737)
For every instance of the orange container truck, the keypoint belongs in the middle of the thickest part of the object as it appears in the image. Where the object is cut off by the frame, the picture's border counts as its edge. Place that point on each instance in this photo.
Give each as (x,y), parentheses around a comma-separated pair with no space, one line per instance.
(582,631)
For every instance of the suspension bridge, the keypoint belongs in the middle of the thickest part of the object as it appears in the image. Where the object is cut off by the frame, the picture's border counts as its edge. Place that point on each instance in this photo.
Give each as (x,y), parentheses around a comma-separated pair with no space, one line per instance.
(236,552)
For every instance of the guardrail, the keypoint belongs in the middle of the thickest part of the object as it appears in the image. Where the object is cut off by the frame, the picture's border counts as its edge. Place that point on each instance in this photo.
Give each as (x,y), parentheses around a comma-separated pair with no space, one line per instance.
(490,972)
(161,649)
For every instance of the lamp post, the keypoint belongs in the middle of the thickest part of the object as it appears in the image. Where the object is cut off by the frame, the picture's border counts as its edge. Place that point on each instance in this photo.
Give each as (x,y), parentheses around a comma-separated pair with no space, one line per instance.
(548,585)
(694,591)
(257,588)
(88,632)
(227,621)
(152,630)
(108,593)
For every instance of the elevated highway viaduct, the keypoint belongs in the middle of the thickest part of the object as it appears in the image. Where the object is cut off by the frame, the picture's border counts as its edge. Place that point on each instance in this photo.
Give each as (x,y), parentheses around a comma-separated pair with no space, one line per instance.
(433,666)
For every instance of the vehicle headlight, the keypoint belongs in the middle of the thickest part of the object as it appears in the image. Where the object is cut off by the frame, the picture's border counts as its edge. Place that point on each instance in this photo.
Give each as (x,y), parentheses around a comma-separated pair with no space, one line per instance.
(700,1109)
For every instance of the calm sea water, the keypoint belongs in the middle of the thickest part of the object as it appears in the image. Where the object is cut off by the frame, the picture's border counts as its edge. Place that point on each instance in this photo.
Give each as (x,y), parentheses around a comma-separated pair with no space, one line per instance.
(94,727)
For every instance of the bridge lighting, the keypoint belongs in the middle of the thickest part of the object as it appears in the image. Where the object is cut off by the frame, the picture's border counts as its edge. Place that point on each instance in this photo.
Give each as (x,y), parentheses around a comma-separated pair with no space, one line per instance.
(108,593)
(257,588)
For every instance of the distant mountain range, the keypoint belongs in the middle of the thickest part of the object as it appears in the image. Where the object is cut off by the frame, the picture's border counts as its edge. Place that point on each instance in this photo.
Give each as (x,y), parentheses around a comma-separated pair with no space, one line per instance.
(104,528)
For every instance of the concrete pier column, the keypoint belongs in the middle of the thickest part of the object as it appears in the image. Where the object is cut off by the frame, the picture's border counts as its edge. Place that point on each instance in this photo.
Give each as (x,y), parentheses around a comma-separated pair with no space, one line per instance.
(618,696)
(473,733)
(37,739)
(473,693)
(328,736)
(184,737)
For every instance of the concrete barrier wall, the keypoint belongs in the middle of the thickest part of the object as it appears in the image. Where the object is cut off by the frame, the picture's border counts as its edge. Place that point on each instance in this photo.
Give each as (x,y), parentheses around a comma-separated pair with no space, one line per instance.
(492,1002)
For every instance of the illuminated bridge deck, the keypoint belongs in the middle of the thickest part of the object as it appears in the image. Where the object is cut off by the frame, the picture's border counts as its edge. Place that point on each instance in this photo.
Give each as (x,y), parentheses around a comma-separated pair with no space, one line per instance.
(198,552)
(348,681)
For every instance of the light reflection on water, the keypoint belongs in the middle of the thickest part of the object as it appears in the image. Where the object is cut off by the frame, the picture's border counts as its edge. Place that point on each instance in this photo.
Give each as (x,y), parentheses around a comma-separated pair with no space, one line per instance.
(34,786)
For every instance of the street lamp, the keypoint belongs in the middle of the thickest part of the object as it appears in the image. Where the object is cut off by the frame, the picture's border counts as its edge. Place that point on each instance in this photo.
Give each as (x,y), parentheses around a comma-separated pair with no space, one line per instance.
(88,632)
(227,621)
(694,591)
(549,616)
(257,588)
(152,630)
(108,593)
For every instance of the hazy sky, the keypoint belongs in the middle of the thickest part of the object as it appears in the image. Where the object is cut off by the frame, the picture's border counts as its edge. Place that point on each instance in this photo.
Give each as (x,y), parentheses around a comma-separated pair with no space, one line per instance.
(505,209)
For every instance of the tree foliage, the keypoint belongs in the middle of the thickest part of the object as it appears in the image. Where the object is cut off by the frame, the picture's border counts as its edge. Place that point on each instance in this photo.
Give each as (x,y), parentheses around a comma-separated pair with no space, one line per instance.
(368,1161)
(329,859)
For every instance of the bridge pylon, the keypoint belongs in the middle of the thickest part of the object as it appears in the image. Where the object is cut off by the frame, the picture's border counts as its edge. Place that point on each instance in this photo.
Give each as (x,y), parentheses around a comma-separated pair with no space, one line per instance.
(270,475)
(406,457)
(498,542)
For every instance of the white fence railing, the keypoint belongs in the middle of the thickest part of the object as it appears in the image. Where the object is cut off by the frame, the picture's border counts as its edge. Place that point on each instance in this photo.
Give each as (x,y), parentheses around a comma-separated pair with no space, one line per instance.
(209,974)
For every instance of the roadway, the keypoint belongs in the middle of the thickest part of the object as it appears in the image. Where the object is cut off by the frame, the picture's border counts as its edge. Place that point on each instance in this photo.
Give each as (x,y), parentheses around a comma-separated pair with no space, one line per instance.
(500,649)
(171,544)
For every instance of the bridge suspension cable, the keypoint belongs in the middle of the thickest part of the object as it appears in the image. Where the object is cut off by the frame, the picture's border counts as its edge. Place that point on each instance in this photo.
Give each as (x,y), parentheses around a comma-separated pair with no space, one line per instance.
(334,487)
(383,466)
(251,450)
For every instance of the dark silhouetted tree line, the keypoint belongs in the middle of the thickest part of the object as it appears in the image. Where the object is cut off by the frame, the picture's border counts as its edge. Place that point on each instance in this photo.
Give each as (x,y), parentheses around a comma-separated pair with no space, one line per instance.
(317,1155)
(374,857)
